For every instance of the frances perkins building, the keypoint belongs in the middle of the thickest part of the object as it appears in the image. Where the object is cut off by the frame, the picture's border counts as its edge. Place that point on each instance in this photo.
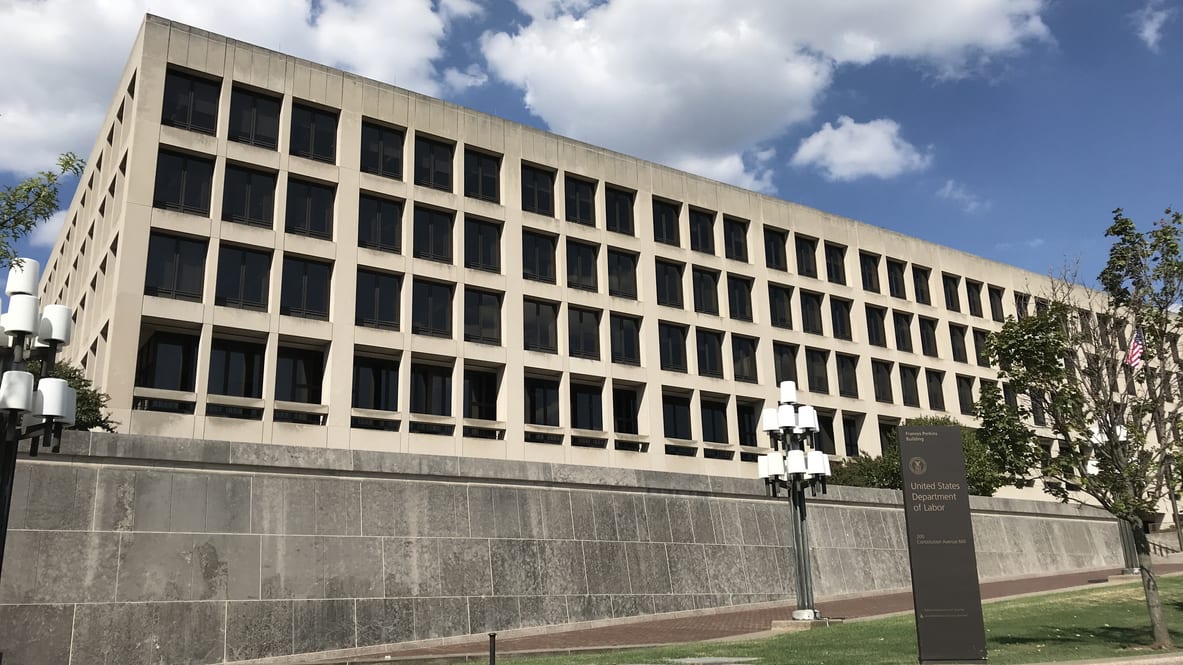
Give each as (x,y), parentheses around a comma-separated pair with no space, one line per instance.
(267,250)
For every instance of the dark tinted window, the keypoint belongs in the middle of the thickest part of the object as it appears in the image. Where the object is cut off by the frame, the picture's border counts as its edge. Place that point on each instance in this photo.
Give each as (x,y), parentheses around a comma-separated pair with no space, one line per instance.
(432,234)
(243,277)
(743,357)
(811,312)
(748,416)
(433,163)
(920,285)
(665,222)
(581,266)
(774,249)
(538,257)
(928,337)
(431,389)
(581,197)
(780,304)
(167,361)
(816,370)
(583,332)
(482,245)
(902,323)
(310,209)
(675,411)
(840,318)
(672,342)
(190,102)
(909,380)
(806,257)
(176,267)
(706,291)
(626,339)
(847,375)
(254,118)
(587,409)
(996,312)
(710,352)
(249,196)
(702,231)
(714,421)
(314,133)
(482,316)
(305,288)
(618,214)
(378,297)
(431,308)
(626,405)
(375,383)
(973,294)
(299,374)
(379,223)
(869,267)
(836,263)
(236,368)
(538,190)
(382,150)
(542,401)
(895,279)
(957,340)
(622,274)
(936,392)
(952,297)
(480,394)
(183,183)
(965,394)
(540,325)
(877,326)
(784,358)
(881,374)
(735,238)
(482,176)
(669,284)
(739,298)
(980,337)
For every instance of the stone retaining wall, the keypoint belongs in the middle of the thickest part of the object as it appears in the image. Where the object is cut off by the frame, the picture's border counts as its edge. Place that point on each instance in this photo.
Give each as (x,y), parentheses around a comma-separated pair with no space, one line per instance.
(138,550)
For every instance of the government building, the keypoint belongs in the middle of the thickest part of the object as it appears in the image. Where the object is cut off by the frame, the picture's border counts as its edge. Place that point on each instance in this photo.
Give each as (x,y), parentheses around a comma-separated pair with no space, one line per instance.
(263,249)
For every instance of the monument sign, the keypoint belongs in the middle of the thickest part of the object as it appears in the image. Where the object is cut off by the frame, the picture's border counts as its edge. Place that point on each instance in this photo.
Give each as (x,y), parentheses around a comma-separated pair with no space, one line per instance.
(941,546)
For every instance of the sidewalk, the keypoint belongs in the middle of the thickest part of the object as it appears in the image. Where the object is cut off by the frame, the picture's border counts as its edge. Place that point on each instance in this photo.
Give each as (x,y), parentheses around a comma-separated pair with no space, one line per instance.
(724,624)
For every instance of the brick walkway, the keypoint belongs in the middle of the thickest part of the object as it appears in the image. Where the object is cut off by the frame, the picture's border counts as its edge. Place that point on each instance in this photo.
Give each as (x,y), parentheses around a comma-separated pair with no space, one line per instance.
(724,624)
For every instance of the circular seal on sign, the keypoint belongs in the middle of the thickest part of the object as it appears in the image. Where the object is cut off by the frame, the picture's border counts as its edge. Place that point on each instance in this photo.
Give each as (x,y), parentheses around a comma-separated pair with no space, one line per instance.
(918,466)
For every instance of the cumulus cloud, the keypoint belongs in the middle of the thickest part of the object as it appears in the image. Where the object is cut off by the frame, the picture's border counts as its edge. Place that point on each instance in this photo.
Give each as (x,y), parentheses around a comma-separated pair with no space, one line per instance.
(1149,21)
(959,194)
(706,84)
(46,233)
(62,58)
(472,76)
(853,150)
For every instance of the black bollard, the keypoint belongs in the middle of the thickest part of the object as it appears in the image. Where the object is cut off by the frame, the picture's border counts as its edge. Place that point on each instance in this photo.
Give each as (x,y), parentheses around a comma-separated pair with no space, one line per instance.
(492,649)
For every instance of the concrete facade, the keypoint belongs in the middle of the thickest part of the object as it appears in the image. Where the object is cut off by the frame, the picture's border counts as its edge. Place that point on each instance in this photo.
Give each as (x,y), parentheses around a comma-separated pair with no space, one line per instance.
(129,549)
(99,267)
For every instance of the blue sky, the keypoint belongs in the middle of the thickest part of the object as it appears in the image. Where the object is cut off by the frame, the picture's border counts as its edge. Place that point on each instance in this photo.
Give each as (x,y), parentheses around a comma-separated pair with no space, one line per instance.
(1006,128)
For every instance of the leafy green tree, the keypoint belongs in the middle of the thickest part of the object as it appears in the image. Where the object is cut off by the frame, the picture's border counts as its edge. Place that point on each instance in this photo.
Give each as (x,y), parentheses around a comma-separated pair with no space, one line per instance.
(30,202)
(1113,422)
(982,471)
(91,413)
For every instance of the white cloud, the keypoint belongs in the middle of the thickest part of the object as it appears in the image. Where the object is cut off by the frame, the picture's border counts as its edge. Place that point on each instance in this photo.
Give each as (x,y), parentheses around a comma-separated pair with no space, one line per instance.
(62,58)
(1149,21)
(959,194)
(855,150)
(472,76)
(706,83)
(46,233)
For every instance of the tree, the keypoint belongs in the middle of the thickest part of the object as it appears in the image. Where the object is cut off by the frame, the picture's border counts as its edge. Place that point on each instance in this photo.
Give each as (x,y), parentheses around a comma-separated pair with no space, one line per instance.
(982,471)
(30,202)
(1113,419)
(91,410)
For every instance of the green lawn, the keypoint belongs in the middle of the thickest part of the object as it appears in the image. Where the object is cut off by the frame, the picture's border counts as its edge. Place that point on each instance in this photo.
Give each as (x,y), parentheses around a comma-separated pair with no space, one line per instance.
(1105,622)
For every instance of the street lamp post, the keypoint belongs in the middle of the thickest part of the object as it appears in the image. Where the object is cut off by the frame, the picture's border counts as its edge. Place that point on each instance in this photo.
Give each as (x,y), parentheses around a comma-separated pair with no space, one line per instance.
(31,407)
(791,426)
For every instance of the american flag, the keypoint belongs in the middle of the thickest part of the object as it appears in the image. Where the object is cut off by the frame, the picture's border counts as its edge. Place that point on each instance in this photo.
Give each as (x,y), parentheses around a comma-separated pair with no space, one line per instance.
(1134,357)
